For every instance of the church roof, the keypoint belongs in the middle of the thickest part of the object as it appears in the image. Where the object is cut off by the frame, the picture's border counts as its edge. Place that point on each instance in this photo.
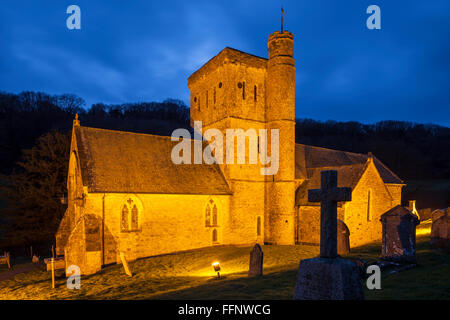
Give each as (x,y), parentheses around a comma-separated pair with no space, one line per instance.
(126,162)
(228,55)
(310,160)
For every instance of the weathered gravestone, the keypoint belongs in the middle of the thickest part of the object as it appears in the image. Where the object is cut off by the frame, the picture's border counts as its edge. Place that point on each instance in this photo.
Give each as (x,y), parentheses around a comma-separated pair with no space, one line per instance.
(399,235)
(440,232)
(343,238)
(436,214)
(328,277)
(256,261)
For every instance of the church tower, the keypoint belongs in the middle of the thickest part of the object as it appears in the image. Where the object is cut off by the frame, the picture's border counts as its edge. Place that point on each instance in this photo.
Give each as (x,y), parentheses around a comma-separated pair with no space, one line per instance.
(239,91)
(280,114)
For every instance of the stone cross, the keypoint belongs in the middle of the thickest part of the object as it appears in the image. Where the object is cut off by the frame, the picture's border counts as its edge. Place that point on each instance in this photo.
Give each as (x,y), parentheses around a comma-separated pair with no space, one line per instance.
(256,261)
(328,195)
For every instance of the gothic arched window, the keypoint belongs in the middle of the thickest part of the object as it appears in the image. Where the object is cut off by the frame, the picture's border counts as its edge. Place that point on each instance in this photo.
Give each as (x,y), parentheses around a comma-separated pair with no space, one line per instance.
(214,235)
(124,218)
(207,216)
(211,217)
(134,218)
(129,220)
(214,216)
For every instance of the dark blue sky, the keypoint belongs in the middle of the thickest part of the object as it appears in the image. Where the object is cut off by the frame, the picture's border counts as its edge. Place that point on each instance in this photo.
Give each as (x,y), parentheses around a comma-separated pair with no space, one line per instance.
(131,51)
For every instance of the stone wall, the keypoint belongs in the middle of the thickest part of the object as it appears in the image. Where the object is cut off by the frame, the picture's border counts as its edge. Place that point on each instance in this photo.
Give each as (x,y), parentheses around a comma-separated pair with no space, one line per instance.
(362,220)
(166,223)
(395,191)
(309,223)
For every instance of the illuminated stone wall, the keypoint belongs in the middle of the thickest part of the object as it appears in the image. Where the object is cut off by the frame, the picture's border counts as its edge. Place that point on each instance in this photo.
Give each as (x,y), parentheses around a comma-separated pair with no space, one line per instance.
(166,223)
(364,222)
(395,191)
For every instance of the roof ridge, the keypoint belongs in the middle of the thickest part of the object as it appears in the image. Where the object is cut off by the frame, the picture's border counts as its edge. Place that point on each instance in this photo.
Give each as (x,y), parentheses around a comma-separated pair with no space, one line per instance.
(243,52)
(339,166)
(323,148)
(389,170)
(136,133)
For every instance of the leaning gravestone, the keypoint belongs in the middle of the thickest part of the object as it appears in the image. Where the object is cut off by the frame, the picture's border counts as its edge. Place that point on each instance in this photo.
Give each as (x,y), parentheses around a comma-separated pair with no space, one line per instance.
(399,235)
(343,238)
(440,232)
(328,277)
(256,261)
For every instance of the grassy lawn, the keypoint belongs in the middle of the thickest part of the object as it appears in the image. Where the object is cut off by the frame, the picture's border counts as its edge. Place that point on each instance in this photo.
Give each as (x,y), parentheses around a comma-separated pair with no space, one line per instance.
(189,275)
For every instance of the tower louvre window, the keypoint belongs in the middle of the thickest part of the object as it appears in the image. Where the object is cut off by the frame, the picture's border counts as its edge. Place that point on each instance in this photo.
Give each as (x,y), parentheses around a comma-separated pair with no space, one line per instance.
(255,93)
(243,90)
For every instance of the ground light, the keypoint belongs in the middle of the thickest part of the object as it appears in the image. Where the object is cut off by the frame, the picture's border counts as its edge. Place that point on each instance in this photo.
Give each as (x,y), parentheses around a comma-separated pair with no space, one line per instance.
(216,266)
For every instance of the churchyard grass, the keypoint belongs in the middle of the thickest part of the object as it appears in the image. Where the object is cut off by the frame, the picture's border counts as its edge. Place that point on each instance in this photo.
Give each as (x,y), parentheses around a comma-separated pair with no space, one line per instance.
(189,275)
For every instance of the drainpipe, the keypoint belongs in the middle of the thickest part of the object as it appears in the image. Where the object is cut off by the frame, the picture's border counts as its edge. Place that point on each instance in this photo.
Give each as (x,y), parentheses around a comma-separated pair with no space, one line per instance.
(103,229)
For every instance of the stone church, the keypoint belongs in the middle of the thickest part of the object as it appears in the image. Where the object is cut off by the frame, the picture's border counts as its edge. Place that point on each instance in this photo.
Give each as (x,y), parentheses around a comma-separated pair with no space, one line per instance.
(126,195)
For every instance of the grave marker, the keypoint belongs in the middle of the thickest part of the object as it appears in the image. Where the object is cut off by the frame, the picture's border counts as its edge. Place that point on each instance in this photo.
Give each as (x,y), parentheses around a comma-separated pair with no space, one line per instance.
(256,261)
(399,234)
(328,277)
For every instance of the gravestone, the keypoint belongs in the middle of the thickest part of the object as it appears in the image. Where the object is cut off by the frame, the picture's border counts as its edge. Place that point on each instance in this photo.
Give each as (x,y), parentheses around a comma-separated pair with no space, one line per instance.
(328,277)
(256,261)
(440,233)
(343,238)
(425,214)
(436,214)
(399,235)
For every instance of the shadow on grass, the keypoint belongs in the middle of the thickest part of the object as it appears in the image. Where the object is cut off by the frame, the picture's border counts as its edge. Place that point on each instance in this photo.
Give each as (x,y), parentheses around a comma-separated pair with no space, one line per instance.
(277,285)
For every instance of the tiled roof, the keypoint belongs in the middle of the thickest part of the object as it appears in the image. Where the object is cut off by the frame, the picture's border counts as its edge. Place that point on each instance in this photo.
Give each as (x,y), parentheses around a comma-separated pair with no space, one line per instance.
(125,162)
(310,157)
